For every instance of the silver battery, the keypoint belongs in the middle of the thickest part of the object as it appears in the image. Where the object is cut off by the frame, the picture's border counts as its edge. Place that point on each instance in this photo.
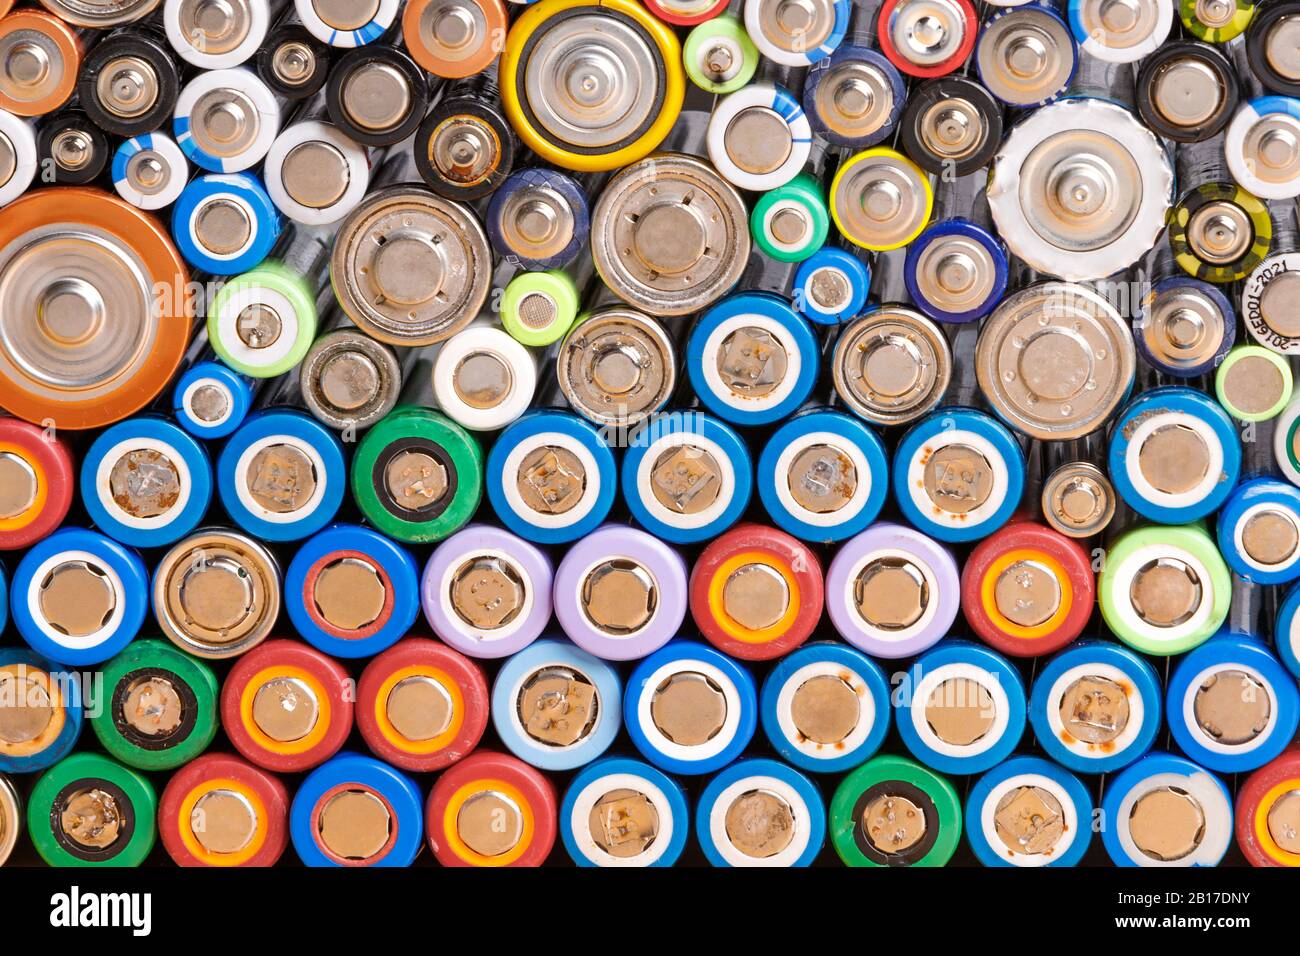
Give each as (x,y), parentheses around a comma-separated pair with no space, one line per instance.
(617,367)
(892,365)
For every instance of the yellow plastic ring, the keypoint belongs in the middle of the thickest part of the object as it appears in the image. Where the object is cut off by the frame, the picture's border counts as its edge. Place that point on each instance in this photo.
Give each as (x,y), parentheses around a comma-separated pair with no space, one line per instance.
(988,596)
(461,797)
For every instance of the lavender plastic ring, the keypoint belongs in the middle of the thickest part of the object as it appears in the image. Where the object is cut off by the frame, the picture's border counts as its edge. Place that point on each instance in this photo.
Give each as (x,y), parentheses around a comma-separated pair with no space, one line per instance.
(487,592)
(892,592)
(620,593)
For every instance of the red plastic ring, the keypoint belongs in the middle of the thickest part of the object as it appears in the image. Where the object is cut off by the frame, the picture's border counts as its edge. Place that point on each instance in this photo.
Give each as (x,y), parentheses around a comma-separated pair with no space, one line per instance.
(685,20)
(492,768)
(423,653)
(793,559)
(267,788)
(939,69)
(293,659)
(309,596)
(48,456)
(1056,632)
(1282,770)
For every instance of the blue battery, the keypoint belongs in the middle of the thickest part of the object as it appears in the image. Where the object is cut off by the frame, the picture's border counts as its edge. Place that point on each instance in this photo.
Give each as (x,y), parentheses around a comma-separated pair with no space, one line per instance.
(243,190)
(770,778)
(538,179)
(1115,697)
(1161,410)
(985,437)
(1075,816)
(557,430)
(726,679)
(116,569)
(851,440)
(1286,631)
(1250,500)
(601,713)
(217,387)
(1253,675)
(722,341)
(18,662)
(402,589)
(1173,285)
(831,286)
(590,785)
(310,440)
(973,233)
(876,61)
(859,675)
(1164,772)
(4,598)
(1049,9)
(949,671)
(185,463)
(641,472)
(353,771)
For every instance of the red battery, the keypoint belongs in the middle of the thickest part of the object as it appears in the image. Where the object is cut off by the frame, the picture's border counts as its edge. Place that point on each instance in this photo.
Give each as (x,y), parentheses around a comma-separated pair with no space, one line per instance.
(756,593)
(36,482)
(963,14)
(686,13)
(1268,813)
(286,706)
(219,810)
(491,810)
(1027,590)
(421,705)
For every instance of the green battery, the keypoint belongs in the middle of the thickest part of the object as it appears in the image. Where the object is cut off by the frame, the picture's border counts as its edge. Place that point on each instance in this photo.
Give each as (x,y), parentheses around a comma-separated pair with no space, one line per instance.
(88,810)
(1216,21)
(417,476)
(263,322)
(537,308)
(892,811)
(1154,586)
(1253,383)
(719,56)
(160,706)
(790,222)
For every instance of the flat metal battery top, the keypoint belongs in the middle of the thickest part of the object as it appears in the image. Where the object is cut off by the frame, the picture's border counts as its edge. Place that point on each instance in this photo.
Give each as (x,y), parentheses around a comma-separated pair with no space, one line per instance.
(1182,327)
(624,823)
(315,174)
(349,379)
(355,824)
(551,480)
(490,823)
(880,199)
(419,708)
(558,706)
(489,592)
(855,98)
(1269,537)
(1232,707)
(1283,822)
(1167,823)
(1187,92)
(617,367)
(760,823)
(825,709)
(620,596)
(689,708)
(892,366)
(755,596)
(223,821)
(214,28)
(823,479)
(1025,56)
(669,235)
(410,268)
(1094,709)
(894,824)
(127,87)
(1078,500)
(891,593)
(1029,820)
(101,13)
(1055,360)
(1166,592)
(1282,47)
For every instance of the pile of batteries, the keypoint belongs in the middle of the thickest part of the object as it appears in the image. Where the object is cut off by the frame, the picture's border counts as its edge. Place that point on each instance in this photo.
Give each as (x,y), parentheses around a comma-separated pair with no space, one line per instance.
(800,429)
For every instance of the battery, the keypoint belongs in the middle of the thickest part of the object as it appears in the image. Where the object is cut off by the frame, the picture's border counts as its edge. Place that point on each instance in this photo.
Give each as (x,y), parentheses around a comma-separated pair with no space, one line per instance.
(831,286)
(891,591)
(1095,707)
(1028,812)
(491,810)
(760,813)
(1026,55)
(88,810)
(756,593)
(1253,384)
(1270,47)
(800,39)
(1126,34)
(891,365)
(211,400)
(217,594)
(219,810)
(38,481)
(791,222)
(225,224)
(1216,21)
(927,38)
(1164,590)
(1184,327)
(129,81)
(316,174)
(538,308)
(18,155)
(719,56)
(892,811)
(348,380)
(71,150)
(376,94)
(293,62)
(351,592)
(11,818)
(347,23)
(1266,809)
(1167,811)
(880,200)
(422,706)
(40,713)
(226,120)
(690,709)
(483,379)
(149,171)
(159,709)
(454,38)
(617,367)
(620,812)
(146,482)
(287,707)
(465,148)
(216,38)
(41,56)
(355,810)
(1187,91)
(956,270)
(538,218)
(555,706)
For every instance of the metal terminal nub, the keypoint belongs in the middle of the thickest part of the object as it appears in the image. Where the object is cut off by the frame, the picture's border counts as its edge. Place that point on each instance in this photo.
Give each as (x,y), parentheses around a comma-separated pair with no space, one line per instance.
(19,485)
(891,593)
(1220,232)
(1253,385)
(1284,821)
(214,27)
(293,63)
(927,32)
(960,711)
(1233,707)
(416,480)
(760,823)
(551,480)
(93,819)
(285,709)
(490,823)
(1187,92)
(756,596)
(488,592)
(355,824)
(689,708)
(624,823)
(1270,536)
(223,821)
(1095,710)
(349,379)
(77,598)
(825,710)
(419,708)
(686,479)
(617,367)
(315,174)
(127,87)
(1029,820)
(1027,593)
(854,99)
(281,478)
(958,479)
(558,706)
(1167,824)
(620,596)
(1182,328)
(823,479)
(376,96)
(893,824)
(1166,592)
(350,594)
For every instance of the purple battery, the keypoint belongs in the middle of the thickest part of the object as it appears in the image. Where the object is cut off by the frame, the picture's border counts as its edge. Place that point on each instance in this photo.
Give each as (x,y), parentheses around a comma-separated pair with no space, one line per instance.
(487,592)
(620,593)
(892,592)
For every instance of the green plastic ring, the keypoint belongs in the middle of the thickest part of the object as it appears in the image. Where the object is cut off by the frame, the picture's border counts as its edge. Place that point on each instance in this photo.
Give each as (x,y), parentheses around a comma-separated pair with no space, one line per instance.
(1238,354)
(1241,18)
(131,848)
(556,288)
(729,30)
(280,282)
(196,676)
(413,425)
(801,192)
(1192,539)
(844,820)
